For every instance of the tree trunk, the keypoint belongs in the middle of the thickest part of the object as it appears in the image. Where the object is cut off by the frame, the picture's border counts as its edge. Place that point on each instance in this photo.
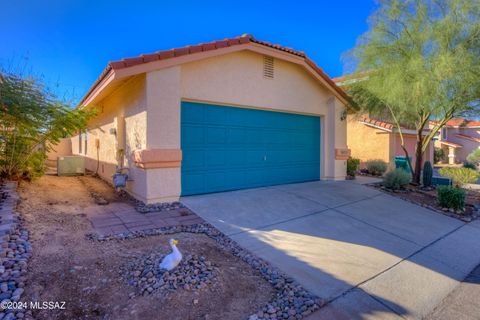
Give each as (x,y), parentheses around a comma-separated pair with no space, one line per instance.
(418,158)
(407,156)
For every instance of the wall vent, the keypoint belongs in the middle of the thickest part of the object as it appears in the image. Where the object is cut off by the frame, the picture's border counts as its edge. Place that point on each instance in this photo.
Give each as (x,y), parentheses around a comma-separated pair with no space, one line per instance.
(268,67)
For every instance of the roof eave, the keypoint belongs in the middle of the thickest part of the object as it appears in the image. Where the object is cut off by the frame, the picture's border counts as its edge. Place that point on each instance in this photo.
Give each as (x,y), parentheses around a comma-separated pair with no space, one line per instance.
(145,63)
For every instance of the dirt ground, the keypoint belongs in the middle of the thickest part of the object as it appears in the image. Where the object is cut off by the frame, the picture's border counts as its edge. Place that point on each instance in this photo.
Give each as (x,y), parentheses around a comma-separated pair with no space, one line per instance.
(86,275)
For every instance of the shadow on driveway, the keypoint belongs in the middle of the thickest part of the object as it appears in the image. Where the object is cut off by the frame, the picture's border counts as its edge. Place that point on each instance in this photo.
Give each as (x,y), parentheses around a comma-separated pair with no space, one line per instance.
(369,254)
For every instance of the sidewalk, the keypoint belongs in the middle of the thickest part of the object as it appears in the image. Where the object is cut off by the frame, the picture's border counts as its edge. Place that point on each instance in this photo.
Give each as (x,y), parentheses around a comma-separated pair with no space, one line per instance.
(463,303)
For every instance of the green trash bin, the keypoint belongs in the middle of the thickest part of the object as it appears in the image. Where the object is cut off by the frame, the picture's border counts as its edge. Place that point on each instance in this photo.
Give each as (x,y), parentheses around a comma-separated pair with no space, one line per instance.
(402,163)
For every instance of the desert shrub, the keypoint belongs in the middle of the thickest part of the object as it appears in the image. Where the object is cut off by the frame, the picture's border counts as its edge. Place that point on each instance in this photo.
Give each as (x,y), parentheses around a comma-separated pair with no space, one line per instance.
(352,166)
(427,174)
(438,155)
(469,165)
(460,176)
(474,156)
(451,197)
(31,120)
(376,167)
(35,166)
(396,179)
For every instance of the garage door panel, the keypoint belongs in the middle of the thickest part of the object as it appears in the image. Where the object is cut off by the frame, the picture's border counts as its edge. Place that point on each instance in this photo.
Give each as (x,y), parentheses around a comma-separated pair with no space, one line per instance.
(215,159)
(236,158)
(192,114)
(214,116)
(193,159)
(195,182)
(236,137)
(192,135)
(215,136)
(226,148)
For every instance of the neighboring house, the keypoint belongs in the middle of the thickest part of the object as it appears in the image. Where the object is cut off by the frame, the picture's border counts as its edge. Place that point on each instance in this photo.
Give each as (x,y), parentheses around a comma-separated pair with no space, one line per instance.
(458,138)
(370,139)
(373,139)
(225,115)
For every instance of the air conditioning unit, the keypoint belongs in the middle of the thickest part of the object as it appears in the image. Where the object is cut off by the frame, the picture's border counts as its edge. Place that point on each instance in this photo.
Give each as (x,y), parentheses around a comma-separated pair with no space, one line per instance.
(70,165)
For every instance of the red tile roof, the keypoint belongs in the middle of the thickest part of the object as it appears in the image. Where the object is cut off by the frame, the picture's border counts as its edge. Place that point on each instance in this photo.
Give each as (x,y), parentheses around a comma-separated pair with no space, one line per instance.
(386,125)
(359,76)
(461,122)
(177,52)
(467,137)
(378,123)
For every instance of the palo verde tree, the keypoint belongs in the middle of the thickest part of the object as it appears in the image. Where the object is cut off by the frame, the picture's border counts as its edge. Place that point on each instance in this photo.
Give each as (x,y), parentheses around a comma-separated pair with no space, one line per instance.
(419,61)
(31,121)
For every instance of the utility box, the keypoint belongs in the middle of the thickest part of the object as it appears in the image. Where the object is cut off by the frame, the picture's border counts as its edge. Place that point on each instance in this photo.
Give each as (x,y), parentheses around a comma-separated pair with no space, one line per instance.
(70,166)
(402,163)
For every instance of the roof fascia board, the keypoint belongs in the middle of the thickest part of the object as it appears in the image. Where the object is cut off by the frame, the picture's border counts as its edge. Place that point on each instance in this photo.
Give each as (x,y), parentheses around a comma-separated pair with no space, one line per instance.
(109,77)
(376,127)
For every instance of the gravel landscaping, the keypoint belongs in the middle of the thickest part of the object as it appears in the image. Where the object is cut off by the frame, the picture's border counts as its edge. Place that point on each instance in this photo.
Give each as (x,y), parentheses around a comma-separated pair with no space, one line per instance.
(427,198)
(116,277)
(291,300)
(14,252)
(193,273)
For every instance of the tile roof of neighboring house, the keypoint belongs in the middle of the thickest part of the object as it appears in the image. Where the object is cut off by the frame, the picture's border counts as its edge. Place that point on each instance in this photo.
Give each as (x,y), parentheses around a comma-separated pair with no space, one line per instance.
(388,126)
(377,123)
(350,77)
(461,122)
(467,137)
(450,143)
(229,42)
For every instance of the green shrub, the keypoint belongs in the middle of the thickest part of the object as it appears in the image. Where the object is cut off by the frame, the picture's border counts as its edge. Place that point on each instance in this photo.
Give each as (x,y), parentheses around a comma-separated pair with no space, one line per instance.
(474,156)
(396,179)
(376,167)
(469,165)
(35,167)
(32,118)
(438,155)
(460,176)
(427,174)
(451,197)
(352,166)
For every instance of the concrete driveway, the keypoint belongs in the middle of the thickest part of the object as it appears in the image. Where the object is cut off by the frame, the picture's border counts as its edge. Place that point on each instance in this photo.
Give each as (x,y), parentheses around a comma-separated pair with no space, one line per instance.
(372,256)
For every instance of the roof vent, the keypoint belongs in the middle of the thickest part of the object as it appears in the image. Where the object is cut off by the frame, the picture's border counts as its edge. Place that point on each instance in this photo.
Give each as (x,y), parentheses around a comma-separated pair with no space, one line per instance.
(268,67)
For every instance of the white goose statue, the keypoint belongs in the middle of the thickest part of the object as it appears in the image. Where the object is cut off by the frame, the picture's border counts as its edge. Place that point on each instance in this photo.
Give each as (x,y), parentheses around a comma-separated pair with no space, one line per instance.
(173,259)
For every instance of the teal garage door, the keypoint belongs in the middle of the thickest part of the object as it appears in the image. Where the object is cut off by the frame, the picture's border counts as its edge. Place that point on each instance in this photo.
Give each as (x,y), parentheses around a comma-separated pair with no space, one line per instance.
(226,148)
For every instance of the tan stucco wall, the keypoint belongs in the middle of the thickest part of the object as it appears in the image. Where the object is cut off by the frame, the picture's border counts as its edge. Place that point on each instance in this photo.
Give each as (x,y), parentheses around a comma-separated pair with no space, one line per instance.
(61,149)
(367,143)
(125,111)
(238,78)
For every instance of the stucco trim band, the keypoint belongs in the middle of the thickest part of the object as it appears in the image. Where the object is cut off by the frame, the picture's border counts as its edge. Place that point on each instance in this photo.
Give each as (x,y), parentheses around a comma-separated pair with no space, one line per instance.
(157,158)
(342,154)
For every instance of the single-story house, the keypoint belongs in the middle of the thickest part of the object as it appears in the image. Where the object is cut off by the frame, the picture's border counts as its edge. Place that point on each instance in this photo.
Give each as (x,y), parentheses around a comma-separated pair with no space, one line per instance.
(370,139)
(458,138)
(225,115)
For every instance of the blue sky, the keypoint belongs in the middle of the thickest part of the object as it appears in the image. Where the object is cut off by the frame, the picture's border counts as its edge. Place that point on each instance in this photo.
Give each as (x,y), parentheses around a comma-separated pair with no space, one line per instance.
(68,42)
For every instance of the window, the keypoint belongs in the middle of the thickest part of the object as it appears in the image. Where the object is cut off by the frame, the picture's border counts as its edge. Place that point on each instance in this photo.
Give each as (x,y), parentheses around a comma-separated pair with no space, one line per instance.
(444,134)
(80,142)
(86,141)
